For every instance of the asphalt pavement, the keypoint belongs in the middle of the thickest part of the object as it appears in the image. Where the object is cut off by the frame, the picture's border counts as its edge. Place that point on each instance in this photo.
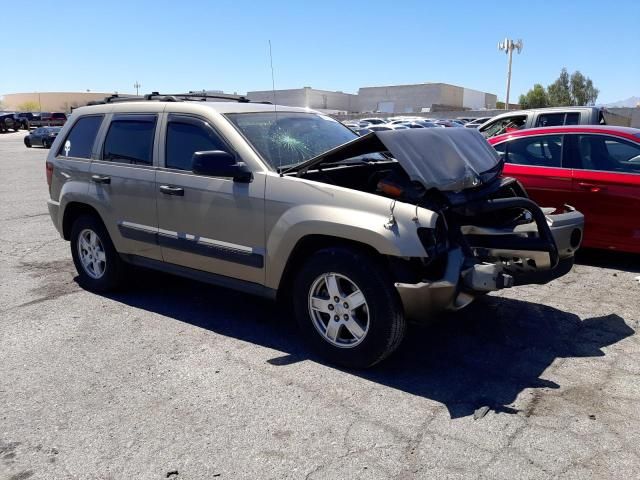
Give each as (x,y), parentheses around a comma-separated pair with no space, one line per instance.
(172,379)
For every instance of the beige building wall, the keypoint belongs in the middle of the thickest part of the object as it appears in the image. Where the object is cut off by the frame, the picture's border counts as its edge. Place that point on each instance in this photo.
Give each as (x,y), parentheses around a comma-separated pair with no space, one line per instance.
(51,101)
(308,97)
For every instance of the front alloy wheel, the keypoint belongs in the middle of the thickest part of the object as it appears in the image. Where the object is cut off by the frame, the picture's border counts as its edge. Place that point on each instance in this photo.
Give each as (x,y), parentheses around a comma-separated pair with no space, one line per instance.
(347,307)
(339,310)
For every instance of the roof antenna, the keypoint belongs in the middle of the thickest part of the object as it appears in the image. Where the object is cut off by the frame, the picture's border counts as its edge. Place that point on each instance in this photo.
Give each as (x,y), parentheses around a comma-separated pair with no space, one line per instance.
(275,105)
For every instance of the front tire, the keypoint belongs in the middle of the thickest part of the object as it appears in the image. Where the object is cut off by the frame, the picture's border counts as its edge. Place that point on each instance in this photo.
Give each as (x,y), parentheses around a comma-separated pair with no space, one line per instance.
(46,144)
(99,266)
(347,308)
(27,143)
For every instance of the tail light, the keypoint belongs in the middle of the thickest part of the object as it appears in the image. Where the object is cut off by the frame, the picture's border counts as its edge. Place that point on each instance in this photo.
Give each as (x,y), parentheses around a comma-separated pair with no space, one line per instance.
(49,167)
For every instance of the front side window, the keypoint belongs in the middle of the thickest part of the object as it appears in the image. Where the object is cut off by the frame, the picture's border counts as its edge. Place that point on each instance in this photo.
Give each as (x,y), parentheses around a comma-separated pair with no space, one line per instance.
(130,139)
(541,151)
(187,137)
(284,139)
(80,140)
(606,153)
(504,125)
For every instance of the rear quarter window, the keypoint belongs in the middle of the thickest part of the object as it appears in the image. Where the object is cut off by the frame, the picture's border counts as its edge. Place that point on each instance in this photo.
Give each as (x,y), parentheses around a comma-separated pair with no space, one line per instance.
(80,140)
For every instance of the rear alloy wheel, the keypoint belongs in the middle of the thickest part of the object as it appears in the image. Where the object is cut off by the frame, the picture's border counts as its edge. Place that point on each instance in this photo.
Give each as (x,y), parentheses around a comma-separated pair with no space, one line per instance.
(99,266)
(347,308)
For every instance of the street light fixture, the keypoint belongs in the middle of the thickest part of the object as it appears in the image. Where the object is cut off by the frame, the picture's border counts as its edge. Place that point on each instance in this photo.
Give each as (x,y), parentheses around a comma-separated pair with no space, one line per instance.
(508,46)
(136,86)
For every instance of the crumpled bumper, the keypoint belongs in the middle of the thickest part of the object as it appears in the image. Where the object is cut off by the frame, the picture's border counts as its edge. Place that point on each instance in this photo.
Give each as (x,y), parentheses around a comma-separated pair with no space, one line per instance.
(539,260)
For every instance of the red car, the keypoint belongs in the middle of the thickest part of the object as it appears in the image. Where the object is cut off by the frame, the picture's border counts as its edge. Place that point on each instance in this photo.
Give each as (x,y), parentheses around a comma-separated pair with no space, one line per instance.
(596,169)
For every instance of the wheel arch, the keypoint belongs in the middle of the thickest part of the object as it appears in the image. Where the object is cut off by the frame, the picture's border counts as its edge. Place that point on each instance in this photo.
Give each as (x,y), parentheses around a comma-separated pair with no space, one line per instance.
(310,244)
(71,212)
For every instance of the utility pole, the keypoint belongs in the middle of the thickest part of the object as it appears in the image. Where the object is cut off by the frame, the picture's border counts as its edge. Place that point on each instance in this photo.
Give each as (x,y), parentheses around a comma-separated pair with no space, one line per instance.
(508,46)
(136,86)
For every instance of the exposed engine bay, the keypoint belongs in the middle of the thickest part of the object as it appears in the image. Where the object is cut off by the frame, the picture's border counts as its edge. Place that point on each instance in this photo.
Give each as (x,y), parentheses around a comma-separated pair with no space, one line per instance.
(487,224)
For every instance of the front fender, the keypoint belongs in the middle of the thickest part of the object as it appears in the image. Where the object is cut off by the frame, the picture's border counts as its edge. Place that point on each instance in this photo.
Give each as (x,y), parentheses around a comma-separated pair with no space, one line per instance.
(398,238)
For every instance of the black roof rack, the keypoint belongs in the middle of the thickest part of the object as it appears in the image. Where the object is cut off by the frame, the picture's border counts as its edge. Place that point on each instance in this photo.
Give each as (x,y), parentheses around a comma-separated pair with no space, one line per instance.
(172,97)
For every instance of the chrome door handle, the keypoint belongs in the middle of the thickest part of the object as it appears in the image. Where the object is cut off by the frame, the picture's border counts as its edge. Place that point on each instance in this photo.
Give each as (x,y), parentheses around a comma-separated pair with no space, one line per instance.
(100,179)
(169,190)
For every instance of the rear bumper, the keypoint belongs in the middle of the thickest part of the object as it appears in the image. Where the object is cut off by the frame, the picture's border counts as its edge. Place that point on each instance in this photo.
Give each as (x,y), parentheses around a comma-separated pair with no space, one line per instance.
(54,213)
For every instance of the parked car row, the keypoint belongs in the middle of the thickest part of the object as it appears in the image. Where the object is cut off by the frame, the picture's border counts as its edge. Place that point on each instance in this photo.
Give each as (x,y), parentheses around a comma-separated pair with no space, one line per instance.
(367,125)
(28,120)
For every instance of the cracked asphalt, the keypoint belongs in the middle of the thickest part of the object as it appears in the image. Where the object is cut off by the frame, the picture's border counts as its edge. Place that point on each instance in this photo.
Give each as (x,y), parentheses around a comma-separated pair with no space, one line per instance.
(175,379)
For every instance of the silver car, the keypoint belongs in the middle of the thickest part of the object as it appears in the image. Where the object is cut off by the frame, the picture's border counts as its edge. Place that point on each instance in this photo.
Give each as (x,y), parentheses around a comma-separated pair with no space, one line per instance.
(360,234)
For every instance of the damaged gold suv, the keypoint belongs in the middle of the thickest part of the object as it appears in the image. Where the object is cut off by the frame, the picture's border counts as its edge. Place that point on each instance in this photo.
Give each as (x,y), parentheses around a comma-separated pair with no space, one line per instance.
(361,234)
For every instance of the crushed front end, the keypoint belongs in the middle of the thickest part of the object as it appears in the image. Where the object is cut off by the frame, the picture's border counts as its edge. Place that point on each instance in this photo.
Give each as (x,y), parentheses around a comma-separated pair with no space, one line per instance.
(488,238)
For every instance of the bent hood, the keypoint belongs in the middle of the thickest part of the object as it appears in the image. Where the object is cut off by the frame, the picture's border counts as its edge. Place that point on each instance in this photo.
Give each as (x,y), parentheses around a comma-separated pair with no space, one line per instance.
(449,159)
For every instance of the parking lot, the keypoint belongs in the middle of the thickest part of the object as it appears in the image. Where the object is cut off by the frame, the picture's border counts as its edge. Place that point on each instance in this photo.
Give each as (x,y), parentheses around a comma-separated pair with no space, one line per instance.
(180,380)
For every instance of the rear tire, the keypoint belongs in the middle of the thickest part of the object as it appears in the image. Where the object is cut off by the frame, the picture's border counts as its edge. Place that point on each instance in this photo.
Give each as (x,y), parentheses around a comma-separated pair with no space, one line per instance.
(365,295)
(100,268)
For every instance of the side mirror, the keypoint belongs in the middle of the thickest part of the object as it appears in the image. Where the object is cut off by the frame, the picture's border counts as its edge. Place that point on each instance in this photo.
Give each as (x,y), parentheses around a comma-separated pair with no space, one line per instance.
(217,163)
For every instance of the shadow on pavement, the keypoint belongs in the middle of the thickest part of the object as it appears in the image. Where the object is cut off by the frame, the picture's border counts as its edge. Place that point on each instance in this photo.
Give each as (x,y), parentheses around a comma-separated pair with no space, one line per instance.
(484,355)
(628,262)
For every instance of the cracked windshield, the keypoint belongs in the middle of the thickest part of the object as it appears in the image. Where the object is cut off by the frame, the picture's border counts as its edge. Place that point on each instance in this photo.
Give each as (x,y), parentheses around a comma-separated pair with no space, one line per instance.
(285,139)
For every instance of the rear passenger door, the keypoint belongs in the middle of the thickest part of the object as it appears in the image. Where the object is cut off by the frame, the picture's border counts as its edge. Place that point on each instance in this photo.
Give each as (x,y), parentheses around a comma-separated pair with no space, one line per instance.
(123,183)
(606,189)
(537,161)
(207,223)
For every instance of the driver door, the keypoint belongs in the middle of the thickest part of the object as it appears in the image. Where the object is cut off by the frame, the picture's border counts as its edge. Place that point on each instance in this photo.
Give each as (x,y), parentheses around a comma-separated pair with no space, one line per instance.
(207,223)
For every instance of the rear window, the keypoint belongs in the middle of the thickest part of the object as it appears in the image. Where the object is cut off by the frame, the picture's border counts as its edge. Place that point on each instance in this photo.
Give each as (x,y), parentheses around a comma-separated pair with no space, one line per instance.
(557,119)
(130,139)
(79,142)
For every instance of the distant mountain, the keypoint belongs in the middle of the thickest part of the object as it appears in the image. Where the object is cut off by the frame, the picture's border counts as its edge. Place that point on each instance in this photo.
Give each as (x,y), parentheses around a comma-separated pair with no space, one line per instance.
(629,102)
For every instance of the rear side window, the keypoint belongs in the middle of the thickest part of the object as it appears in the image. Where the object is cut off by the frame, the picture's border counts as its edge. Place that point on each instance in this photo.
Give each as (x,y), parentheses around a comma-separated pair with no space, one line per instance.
(184,138)
(130,139)
(540,151)
(79,142)
(557,119)
(572,119)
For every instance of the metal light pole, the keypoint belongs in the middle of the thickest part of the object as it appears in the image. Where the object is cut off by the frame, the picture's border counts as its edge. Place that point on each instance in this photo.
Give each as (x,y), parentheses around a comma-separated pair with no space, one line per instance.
(136,86)
(509,46)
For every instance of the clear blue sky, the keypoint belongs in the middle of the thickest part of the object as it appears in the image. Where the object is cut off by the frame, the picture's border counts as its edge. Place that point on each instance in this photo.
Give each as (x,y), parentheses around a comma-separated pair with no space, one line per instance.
(71,45)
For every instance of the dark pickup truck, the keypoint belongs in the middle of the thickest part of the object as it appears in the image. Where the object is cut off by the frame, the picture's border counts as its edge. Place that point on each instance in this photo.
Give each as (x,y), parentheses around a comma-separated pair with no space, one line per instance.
(28,120)
(542,117)
(8,122)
